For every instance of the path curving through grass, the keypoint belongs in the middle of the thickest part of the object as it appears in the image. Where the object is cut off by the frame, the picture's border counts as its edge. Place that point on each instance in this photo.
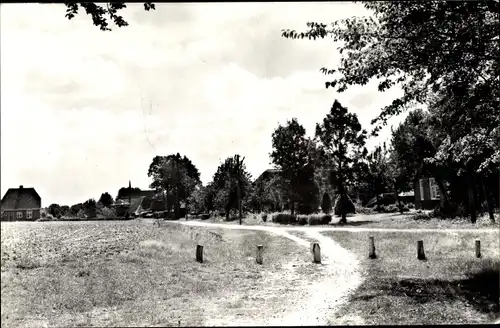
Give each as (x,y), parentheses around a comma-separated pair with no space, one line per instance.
(320,299)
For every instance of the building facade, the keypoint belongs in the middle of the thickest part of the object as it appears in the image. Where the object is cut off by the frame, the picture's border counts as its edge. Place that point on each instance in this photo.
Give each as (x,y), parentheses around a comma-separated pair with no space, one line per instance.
(427,194)
(21,204)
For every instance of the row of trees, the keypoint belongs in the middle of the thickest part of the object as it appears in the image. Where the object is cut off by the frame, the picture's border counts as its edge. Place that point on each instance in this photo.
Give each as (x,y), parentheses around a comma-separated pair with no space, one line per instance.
(335,160)
(89,208)
(444,56)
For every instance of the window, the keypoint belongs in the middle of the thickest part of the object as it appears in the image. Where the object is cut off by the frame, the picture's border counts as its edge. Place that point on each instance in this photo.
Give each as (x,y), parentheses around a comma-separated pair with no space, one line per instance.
(434,189)
(421,182)
(29,214)
(19,215)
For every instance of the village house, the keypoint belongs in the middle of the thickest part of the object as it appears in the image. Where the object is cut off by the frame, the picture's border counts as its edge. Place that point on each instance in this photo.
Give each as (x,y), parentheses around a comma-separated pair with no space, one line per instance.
(20,204)
(427,194)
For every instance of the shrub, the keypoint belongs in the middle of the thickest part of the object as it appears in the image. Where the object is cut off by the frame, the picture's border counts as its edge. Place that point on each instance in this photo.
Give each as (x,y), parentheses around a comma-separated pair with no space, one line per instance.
(46,217)
(108,212)
(326,203)
(362,210)
(315,219)
(302,220)
(449,210)
(326,219)
(410,205)
(264,217)
(284,218)
(422,216)
(347,204)
(392,208)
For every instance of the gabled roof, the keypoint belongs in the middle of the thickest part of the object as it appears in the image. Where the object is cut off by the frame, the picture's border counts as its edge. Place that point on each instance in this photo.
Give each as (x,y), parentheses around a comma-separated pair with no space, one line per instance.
(21,198)
(267,174)
(142,193)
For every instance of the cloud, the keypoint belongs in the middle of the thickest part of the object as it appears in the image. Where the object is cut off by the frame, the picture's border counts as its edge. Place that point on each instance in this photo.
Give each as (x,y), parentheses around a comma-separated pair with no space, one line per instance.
(84,111)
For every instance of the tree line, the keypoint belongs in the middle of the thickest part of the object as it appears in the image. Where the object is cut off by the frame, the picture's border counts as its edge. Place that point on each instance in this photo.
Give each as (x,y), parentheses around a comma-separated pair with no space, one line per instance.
(444,57)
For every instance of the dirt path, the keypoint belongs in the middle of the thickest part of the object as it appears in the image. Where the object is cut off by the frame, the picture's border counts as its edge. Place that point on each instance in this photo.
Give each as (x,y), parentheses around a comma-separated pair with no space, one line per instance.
(321,299)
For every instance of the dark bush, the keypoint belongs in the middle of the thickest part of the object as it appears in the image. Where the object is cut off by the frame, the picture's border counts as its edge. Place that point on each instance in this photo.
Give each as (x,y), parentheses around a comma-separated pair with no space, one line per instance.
(347,204)
(264,217)
(314,220)
(302,220)
(284,218)
(449,210)
(326,219)
(392,208)
(326,204)
(318,219)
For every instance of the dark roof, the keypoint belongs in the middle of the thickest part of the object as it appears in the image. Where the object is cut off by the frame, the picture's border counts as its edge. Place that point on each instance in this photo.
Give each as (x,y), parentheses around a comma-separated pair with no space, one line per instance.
(267,174)
(21,198)
(142,193)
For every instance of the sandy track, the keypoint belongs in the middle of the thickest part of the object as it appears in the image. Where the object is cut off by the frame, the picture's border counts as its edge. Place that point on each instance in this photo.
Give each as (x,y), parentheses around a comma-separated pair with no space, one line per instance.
(342,276)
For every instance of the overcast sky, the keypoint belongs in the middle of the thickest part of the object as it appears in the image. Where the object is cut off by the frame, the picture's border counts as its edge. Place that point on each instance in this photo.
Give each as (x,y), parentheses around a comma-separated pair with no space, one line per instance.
(85,111)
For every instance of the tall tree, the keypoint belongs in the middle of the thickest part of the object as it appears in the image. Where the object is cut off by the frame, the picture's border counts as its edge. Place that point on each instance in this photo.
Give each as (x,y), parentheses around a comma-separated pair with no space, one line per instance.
(421,46)
(341,137)
(100,13)
(445,50)
(378,172)
(290,154)
(54,210)
(232,185)
(106,199)
(174,175)
(90,208)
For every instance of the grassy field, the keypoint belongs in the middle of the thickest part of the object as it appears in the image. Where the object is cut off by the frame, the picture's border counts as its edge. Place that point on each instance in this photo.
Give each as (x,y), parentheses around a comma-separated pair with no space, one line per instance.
(131,273)
(450,287)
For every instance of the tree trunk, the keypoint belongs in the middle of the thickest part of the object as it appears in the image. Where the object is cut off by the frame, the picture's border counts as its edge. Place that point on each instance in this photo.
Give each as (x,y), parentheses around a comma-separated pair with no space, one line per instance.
(342,199)
(238,187)
(167,200)
(481,196)
(377,196)
(398,199)
(444,194)
(472,200)
(489,200)
(292,207)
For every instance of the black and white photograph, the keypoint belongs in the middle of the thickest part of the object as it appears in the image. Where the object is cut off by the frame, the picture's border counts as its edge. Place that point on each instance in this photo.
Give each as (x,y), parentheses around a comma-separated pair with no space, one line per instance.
(215,164)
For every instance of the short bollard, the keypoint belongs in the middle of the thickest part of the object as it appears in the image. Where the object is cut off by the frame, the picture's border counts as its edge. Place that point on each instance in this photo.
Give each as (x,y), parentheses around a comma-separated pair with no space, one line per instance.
(478,248)
(316,250)
(420,250)
(371,253)
(199,253)
(258,258)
